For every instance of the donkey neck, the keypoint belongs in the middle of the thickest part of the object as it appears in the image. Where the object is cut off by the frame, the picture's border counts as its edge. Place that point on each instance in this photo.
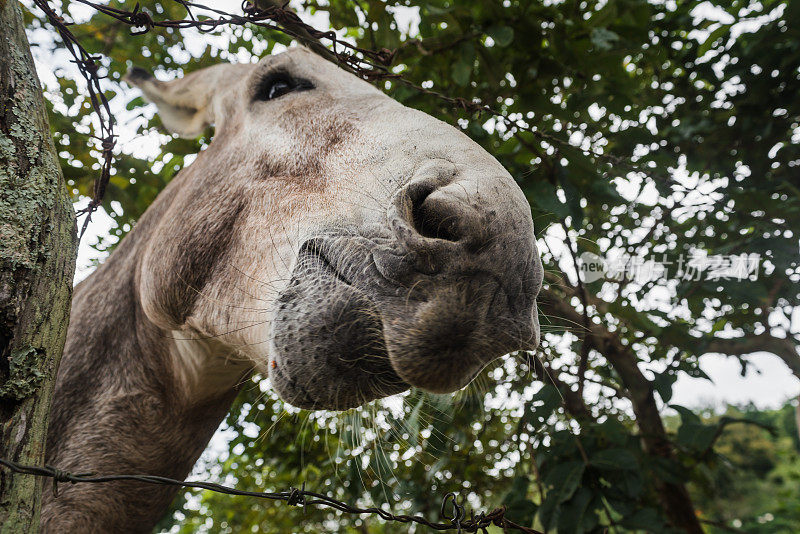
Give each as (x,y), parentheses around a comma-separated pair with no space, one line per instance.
(130,397)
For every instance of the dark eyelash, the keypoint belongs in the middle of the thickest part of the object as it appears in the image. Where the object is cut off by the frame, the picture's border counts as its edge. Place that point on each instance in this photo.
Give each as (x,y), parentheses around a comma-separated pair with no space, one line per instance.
(295,84)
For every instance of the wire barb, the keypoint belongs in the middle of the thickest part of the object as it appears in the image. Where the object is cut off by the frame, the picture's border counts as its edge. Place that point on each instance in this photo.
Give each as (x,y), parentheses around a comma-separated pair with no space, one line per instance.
(58,476)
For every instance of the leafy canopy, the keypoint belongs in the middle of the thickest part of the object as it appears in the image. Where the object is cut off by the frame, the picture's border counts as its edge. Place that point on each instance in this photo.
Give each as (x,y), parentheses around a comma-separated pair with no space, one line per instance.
(662,130)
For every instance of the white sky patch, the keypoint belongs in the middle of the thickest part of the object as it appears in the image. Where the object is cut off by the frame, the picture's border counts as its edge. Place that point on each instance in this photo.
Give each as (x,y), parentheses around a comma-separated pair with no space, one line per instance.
(767,383)
(88,257)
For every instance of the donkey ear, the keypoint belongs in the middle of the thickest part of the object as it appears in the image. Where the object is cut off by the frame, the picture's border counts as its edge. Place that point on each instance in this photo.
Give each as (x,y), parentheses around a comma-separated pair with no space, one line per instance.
(185,104)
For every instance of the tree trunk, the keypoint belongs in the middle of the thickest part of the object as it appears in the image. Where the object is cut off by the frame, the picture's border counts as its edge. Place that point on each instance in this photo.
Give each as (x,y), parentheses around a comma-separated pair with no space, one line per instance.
(37,262)
(674,497)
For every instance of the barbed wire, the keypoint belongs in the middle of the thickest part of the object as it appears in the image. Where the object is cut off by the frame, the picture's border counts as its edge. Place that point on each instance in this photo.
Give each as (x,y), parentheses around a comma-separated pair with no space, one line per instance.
(456,518)
(88,67)
(370,65)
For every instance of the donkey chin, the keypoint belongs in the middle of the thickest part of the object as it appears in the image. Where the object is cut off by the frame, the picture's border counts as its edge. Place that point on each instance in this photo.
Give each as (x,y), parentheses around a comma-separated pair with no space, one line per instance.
(426,299)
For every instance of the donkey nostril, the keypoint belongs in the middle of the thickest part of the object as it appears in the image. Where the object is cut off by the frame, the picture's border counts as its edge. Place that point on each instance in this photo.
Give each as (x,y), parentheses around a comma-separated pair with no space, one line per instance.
(434,220)
(437,209)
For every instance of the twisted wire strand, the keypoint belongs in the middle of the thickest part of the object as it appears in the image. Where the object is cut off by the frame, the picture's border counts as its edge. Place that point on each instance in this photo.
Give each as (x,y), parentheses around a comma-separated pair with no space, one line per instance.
(294,497)
(370,65)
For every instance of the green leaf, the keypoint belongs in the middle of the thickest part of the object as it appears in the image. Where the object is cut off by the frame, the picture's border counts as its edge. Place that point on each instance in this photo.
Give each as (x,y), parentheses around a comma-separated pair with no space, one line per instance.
(501,35)
(663,383)
(565,479)
(537,414)
(696,436)
(687,415)
(544,196)
(646,519)
(666,469)
(549,510)
(462,71)
(614,459)
(603,39)
(576,514)
(436,10)
(519,508)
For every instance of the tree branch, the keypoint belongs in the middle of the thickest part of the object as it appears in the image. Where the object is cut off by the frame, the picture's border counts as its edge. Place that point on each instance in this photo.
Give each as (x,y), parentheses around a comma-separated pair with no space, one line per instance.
(675,498)
(784,348)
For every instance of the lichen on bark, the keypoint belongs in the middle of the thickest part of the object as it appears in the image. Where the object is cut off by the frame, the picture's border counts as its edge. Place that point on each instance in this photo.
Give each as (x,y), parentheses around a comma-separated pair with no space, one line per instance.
(24,375)
(37,262)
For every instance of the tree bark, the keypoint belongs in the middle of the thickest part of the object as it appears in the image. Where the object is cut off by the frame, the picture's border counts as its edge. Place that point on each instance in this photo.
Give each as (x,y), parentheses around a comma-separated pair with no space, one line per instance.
(37,261)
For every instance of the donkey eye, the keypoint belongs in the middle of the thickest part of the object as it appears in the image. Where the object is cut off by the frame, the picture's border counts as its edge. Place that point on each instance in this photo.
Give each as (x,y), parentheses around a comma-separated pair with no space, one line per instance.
(277,85)
(278,88)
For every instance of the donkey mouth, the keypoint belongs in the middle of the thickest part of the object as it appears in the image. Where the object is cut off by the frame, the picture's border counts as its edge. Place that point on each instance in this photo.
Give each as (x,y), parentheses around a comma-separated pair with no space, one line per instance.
(328,341)
(345,333)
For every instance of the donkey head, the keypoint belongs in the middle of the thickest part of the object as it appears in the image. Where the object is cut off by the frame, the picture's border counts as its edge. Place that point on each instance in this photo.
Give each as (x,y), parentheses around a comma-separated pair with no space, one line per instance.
(346,245)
